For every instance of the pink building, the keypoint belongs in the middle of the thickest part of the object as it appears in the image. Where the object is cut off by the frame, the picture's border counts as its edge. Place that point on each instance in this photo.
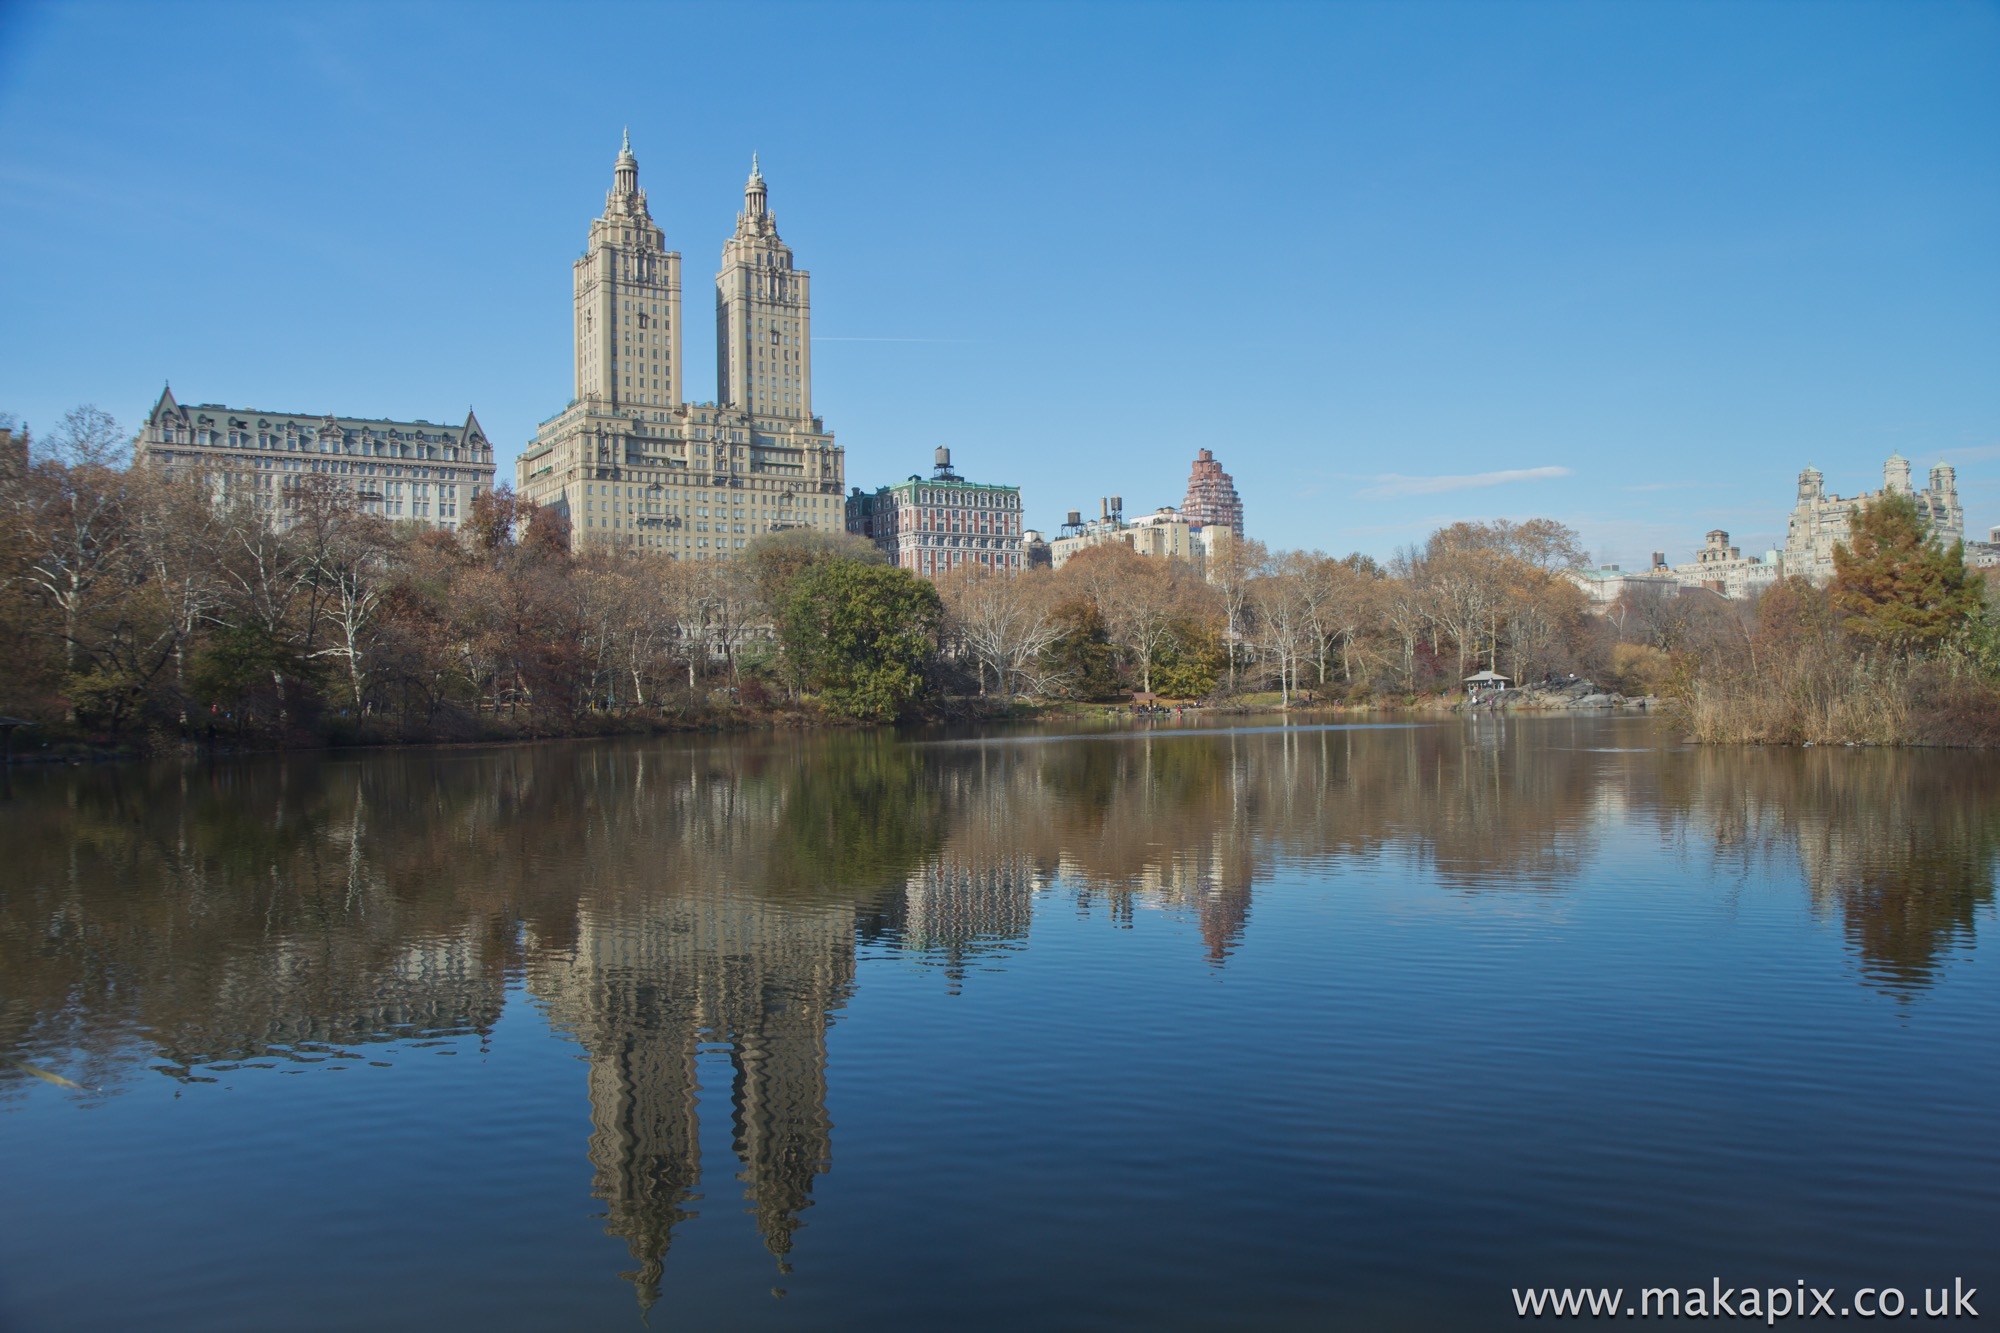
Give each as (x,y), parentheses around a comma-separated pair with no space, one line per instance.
(1211,496)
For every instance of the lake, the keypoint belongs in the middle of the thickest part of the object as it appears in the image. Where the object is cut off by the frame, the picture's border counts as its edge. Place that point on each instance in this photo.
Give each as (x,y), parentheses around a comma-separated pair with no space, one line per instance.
(1190,1026)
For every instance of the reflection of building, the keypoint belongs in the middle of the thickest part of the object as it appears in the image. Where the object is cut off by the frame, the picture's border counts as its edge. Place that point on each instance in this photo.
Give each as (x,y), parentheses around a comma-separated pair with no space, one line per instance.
(1820,521)
(642,992)
(947,522)
(628,462)
(959,908)
(1213,883)
(399,470)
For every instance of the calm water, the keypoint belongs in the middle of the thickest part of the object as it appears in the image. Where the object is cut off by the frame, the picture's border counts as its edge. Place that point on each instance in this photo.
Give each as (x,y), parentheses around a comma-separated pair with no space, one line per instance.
(1257,1028)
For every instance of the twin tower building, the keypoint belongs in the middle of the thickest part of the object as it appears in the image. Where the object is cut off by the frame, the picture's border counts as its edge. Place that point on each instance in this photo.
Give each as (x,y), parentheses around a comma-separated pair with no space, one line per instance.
(629,462)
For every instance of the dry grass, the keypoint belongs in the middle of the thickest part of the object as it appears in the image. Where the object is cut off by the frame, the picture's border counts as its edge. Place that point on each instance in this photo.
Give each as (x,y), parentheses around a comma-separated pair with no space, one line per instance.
(1838,699)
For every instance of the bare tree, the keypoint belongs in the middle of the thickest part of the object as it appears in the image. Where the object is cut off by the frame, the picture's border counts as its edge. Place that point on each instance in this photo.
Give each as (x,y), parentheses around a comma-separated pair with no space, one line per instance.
(76,518)
(1282,599)
(178,529)
(1140,599)
(1231,575)
(88,436)
(1005,621)
(351,571)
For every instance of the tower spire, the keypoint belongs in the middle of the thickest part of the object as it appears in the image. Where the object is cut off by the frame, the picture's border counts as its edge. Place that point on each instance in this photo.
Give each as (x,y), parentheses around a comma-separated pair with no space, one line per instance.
(754,198)
(625,175)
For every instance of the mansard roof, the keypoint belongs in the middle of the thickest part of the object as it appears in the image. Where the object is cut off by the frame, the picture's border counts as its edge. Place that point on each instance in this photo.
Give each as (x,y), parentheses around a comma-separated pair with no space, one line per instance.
(249,417)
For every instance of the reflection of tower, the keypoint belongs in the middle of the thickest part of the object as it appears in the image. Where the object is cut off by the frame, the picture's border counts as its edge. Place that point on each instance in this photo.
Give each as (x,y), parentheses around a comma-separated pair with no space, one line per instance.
(639,991)
(1214,884)
(774,976)
(962,906)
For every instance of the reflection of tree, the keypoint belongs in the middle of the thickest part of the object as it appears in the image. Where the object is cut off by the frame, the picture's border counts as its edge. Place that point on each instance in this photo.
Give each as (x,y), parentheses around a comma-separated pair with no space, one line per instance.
(1901,843)
(657,897)
(229,915)
(662,897)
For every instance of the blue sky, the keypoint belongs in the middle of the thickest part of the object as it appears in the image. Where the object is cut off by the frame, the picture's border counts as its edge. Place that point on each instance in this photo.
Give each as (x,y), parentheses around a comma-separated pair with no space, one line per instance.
(1627,265)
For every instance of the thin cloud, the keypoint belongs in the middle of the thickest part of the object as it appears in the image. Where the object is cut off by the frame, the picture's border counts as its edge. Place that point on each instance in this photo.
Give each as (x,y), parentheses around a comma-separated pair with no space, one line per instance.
(1395,484)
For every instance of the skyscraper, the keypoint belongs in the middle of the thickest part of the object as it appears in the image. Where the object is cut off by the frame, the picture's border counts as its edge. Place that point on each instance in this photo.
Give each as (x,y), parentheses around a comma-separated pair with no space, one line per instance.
(763,316)
(1820,521)
(628,462)
(1211,496)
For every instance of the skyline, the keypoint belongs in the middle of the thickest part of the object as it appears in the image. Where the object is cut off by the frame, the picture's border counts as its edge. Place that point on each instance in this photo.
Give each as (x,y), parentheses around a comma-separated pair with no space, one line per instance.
(1396,266)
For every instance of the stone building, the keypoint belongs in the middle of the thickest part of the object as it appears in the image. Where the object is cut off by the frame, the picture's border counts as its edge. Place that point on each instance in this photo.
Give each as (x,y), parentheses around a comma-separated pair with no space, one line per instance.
(1820,521)
(405,471)
(630,463)
(1723,568)
(929,526)
(1167,533)
(1211,496)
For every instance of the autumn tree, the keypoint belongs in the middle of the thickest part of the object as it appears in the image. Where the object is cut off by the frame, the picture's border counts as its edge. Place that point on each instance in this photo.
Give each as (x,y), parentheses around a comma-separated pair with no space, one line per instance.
(1005,621)
(1897,585)
(1140,598)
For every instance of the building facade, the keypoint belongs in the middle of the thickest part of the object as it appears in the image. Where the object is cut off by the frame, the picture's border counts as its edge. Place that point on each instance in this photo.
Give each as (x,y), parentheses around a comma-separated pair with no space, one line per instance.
(1211,496)
(1819,521)
(946,522)
(1166,533)
(1723,568)
(404,471)
(1986,554)
(629,462)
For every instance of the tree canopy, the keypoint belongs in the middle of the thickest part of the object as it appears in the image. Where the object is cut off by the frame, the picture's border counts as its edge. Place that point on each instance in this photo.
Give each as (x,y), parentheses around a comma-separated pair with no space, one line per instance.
(861,636)
(1896,584)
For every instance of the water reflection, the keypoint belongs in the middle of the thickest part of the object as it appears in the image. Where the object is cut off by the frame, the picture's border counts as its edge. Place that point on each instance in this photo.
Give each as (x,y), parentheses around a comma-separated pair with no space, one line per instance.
(672,903)
(1899,846)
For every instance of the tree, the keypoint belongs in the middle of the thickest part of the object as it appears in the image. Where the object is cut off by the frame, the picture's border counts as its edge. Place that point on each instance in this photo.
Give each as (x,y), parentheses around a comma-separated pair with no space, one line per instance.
(1897,585)
(1230,575)
(88,436)
(861,636)
(348,555)
(1353,603)
(1079,662)
(1139,597)
(1006,621)
(1282,599)
(495,517)
(778,558)
(1463,584)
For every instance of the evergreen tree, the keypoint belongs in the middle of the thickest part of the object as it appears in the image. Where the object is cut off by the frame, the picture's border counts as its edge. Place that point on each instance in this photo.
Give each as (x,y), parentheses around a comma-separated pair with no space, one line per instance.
(861,636)
(1896,584)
